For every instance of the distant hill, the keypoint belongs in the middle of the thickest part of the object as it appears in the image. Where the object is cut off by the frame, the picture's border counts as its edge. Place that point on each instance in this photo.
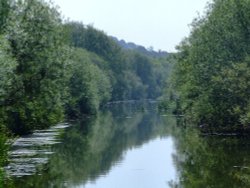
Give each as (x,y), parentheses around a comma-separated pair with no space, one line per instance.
(139,48)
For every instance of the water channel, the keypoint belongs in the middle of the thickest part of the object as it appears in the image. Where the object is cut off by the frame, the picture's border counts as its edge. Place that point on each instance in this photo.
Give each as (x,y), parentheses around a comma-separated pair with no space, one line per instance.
(128,145)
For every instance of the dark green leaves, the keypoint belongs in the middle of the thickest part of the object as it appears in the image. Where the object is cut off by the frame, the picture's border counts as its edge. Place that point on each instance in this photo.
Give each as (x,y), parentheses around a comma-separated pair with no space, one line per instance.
(211,73)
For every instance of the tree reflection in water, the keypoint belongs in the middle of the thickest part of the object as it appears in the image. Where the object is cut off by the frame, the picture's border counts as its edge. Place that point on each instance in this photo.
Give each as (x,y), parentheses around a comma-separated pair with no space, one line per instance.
(208,161)
(93,145)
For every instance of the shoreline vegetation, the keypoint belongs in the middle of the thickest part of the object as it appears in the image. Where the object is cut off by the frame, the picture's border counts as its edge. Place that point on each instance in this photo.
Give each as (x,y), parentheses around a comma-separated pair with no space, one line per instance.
(211,76)
(52,69)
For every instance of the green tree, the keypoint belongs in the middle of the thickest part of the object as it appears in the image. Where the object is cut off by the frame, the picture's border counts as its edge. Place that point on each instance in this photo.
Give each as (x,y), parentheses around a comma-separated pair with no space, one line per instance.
(35,34)
(4,12)
(7,70)
(209,59)
(7,83)
(89,86)
(75,34)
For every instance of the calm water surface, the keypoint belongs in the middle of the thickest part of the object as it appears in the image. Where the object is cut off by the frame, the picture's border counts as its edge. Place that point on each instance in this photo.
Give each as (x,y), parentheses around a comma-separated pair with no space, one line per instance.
(128,146)
(148,166)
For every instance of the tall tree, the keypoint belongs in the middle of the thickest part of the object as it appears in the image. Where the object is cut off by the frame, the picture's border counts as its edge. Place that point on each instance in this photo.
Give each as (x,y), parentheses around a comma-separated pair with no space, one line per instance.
(35,35)
(89,86)
(4,12)
(217,48)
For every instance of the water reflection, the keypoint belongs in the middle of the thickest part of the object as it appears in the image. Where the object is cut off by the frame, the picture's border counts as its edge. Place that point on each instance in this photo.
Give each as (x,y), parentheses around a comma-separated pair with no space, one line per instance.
(93,147)
(31,151)
(148,166)
(211,161)
(133,146)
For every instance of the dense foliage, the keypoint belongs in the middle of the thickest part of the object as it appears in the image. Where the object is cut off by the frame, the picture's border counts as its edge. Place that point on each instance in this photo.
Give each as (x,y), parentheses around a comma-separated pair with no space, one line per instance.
(49,68)
(212,74)
(133,75)
(89,86)
(52,69)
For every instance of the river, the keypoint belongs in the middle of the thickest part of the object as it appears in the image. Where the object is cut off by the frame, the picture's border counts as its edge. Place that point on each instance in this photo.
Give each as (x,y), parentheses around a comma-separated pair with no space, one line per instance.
(128,145)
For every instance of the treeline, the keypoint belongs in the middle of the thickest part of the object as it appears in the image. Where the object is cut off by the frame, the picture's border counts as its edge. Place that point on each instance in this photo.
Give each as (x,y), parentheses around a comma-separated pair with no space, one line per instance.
(212,72)
(51,69)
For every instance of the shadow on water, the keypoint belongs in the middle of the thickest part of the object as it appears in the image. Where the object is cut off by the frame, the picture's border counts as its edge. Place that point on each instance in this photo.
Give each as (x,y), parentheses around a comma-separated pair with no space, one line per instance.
(210,161)
(92,147)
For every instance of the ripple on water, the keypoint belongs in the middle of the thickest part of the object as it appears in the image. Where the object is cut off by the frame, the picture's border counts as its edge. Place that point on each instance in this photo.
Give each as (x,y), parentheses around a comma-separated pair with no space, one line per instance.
(29,152)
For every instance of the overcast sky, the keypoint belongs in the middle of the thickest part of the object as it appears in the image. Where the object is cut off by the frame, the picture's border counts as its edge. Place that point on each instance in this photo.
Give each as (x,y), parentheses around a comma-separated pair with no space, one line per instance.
(161,24)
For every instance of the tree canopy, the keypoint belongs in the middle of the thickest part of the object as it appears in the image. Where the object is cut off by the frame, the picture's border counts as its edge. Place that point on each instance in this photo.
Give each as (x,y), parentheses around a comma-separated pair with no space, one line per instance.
(51,69)
(212,69)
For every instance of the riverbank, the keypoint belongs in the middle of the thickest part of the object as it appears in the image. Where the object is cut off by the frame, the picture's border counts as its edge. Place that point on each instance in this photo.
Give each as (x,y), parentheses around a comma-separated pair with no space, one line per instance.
(125,141)
(3,156)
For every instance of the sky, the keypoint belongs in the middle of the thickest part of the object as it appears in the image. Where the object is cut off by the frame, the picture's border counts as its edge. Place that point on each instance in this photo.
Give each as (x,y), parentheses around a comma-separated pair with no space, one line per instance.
(161,24)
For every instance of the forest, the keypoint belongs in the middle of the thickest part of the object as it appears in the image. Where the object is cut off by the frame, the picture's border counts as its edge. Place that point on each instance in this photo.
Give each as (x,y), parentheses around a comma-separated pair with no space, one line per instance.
(54,69)
(211,76)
